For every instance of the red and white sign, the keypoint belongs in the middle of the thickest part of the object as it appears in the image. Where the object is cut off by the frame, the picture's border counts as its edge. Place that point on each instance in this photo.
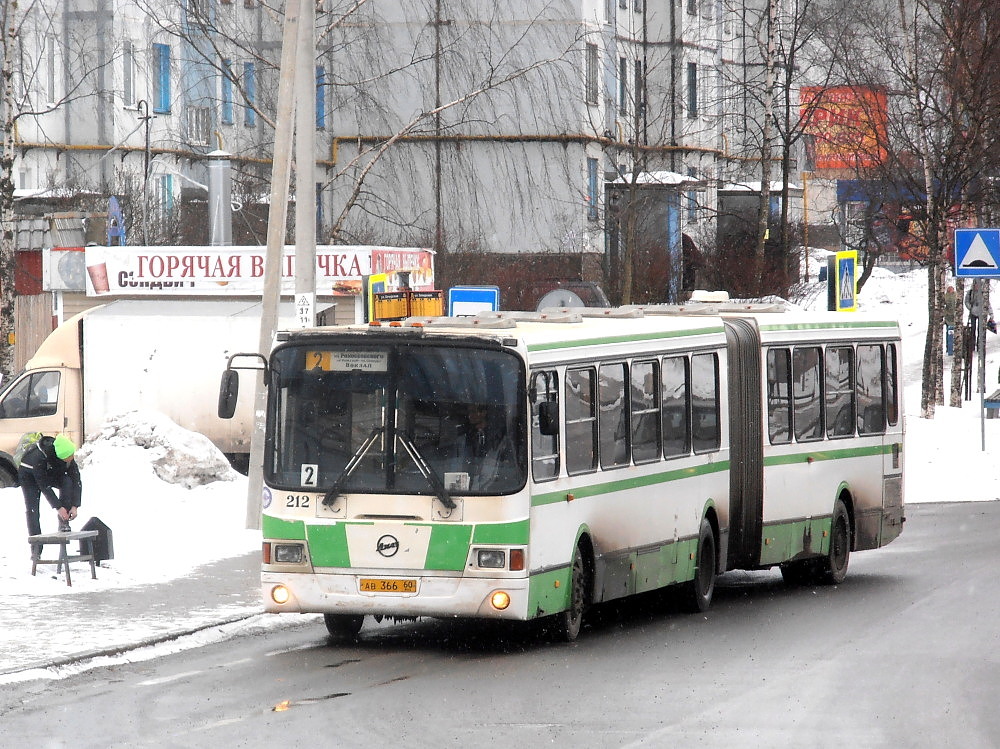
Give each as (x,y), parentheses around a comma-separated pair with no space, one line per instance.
(211,271)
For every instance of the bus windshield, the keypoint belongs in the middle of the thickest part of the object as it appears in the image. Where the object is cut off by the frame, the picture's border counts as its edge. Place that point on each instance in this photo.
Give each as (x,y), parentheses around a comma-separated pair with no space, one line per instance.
(400,418)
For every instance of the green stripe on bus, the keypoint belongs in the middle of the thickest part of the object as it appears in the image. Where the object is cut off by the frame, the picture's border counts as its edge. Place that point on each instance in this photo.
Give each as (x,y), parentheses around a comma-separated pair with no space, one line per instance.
(849,452)
(513,534)
(846,324)
(328,545)
(622,339)
(292,530)
(609,487)
(449,547)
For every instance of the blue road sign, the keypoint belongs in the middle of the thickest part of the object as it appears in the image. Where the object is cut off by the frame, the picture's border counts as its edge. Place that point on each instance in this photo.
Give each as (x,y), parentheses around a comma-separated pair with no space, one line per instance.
(846,281)
(466,301)
(977,253)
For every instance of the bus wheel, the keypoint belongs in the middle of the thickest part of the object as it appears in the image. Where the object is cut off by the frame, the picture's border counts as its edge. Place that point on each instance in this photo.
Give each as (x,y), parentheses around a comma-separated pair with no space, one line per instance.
(833,568)
(568,622)
(698,592)
(343,626)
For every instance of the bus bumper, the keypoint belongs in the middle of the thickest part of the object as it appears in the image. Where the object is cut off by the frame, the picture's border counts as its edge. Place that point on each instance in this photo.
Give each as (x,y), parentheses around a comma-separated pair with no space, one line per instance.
(441,597)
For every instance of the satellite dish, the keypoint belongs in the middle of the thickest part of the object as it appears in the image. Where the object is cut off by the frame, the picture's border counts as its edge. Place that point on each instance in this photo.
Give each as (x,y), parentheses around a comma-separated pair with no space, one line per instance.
(560,298)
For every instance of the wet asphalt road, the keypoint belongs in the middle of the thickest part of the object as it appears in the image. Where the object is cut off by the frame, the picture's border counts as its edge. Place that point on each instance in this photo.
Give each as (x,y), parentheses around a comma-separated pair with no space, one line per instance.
(904,654)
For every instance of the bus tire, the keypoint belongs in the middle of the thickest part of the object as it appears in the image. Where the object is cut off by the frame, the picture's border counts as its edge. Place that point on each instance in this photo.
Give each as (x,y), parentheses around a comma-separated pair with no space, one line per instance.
(343,626)
(697,593)
(569,622)
(8,477)
(833,567)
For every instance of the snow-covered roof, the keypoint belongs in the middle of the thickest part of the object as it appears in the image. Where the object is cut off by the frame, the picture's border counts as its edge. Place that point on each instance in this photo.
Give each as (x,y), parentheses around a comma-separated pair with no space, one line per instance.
(755,186)
(661,177)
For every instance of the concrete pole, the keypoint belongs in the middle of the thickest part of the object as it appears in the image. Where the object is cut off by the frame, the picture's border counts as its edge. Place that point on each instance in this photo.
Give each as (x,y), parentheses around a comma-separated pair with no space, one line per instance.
(277,216)
(220,199)
(305,167)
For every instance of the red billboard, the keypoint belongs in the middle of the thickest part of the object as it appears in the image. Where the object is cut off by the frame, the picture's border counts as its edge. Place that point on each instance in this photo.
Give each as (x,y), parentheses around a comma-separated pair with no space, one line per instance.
(844,125)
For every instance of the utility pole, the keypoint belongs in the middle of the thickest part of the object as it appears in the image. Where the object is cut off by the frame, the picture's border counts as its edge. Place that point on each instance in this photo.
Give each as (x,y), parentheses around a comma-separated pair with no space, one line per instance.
(305,167)
(276,220)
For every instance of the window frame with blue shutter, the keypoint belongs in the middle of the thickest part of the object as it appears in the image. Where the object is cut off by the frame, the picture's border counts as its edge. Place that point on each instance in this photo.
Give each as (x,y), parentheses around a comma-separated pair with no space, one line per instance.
(161,78)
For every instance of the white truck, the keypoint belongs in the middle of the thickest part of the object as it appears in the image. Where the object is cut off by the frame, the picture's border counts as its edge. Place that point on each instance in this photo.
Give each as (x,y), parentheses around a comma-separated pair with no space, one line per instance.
(156,355)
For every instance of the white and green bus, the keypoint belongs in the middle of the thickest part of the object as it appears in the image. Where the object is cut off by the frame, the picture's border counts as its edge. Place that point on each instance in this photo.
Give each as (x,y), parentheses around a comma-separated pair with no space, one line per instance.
(528,465)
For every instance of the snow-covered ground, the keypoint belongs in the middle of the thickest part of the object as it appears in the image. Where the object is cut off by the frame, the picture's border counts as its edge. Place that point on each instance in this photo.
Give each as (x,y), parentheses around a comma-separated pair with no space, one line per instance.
(155,484)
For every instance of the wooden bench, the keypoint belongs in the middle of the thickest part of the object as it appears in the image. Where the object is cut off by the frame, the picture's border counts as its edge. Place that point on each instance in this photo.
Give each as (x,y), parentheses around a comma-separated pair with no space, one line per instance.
(63,540)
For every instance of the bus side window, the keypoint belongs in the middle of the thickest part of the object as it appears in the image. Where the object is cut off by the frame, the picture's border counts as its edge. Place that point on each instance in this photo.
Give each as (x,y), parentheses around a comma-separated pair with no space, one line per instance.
(807,393)
(676,407)
(544,447)
(705,427)
(839,391)
(779,396)
(645,400)
(869,383)
(581,420)
(891,389)
(613,420)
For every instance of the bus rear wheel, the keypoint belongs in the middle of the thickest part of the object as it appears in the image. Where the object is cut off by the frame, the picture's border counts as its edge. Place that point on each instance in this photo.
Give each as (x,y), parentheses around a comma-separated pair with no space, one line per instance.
(569,622)
(343,626)
(698,592)
(833,567)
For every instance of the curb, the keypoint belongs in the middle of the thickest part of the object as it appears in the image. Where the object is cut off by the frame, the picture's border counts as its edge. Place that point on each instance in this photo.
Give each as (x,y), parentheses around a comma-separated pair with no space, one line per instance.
(120,649)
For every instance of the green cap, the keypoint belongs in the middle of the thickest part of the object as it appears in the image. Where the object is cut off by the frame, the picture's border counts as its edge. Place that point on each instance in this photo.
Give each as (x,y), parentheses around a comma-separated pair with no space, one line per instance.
(64,446)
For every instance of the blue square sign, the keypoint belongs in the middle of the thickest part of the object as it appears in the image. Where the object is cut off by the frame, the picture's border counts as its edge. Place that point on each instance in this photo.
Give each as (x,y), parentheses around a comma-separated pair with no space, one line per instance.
(977,253)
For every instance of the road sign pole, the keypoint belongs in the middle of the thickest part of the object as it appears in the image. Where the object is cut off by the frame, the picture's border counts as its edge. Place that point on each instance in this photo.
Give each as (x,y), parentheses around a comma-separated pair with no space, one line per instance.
(979,285)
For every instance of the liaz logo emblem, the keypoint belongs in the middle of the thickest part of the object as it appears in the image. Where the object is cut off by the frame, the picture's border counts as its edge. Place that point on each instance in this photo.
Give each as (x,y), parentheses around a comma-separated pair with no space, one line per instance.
(387,546)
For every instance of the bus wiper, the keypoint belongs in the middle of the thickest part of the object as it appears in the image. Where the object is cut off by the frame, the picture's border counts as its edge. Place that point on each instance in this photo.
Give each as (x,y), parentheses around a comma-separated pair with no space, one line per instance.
(425,470)
(334,492)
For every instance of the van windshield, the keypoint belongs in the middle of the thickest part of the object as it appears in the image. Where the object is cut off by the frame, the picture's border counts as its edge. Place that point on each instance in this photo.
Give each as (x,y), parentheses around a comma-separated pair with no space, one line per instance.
(401,418)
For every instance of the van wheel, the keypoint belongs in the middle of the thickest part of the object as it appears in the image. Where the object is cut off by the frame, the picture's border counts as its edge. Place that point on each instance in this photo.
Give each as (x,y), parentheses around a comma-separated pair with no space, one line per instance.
(697,594)
(7,478)
(833,567)
(343,626)
(568,622)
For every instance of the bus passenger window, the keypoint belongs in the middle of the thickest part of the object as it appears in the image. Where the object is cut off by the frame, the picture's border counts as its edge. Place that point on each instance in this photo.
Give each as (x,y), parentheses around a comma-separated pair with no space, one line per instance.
(705,428)
(839,391)
(891,390)
(581,421)
(544,447)
(613,421)
(645,401)
(676,407)
(807,393)
(871,375)
(779,396)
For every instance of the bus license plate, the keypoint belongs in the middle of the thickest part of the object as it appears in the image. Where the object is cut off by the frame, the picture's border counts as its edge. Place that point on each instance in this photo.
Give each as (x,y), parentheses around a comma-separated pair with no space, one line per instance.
(381,585)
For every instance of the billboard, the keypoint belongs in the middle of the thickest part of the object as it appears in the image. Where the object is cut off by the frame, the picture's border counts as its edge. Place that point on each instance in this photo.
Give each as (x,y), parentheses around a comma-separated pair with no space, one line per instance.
(845,126)
(231,270)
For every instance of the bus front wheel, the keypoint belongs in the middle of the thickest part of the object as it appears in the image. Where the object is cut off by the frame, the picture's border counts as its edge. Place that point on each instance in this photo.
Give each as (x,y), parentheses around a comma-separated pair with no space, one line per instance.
(568,622)
(343,626)
(833,568)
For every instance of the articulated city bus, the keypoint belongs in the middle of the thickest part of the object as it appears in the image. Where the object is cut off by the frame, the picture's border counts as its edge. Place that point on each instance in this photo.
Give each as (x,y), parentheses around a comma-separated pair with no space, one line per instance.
(526,465)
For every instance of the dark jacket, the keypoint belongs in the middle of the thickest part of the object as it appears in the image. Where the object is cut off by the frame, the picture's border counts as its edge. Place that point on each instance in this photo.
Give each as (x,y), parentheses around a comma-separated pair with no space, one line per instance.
(40,466)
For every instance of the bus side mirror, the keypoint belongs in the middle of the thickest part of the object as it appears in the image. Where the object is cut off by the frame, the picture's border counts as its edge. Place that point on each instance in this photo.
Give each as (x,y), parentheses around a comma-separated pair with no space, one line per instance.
(548,418)
(229,390)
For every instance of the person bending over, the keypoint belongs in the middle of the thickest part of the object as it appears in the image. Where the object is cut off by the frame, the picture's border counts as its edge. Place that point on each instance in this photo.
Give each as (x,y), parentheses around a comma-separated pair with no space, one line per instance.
(48,468)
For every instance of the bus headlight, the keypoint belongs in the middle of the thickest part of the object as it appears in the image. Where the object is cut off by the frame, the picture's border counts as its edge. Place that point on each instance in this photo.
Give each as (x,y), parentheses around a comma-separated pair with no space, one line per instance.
(280,594)
(288,553)
(500,600)
(491,558)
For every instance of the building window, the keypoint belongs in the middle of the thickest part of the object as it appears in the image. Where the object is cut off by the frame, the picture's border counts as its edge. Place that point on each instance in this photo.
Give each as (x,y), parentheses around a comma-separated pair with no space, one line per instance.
(227,92)
(50,63)
(639,88)
(163,196)
(622,85)
(128,73)
(161,78)
(692,198)
(591,74)
(250,92)
(692,89)
(592,189)
(320,97)
(198,121)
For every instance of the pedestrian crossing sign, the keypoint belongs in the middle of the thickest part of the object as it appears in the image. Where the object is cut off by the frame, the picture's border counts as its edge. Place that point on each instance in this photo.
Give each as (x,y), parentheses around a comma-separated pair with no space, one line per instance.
(844,281)
(977,253)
